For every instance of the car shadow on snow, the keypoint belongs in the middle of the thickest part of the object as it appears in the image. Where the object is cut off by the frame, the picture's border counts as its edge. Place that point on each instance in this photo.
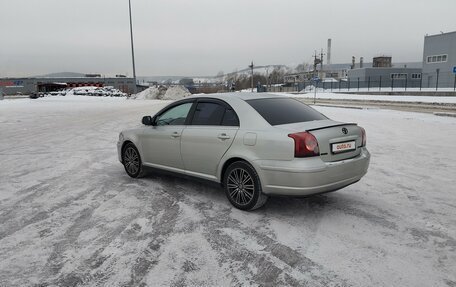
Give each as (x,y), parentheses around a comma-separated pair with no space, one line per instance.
(209,196)
(212,194)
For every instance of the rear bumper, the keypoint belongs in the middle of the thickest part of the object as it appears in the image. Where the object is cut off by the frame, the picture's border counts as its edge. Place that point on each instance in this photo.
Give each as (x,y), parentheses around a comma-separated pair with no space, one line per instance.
(307,176)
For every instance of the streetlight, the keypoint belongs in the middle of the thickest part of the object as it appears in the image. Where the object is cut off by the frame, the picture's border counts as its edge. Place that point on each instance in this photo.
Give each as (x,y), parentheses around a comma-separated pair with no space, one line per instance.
(132,49)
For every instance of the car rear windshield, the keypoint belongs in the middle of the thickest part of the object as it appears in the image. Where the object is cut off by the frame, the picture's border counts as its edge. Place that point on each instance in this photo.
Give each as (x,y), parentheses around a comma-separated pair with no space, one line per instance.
(280,111)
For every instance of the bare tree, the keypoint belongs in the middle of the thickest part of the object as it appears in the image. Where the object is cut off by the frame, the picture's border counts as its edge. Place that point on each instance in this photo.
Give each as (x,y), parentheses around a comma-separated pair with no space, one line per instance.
(277,75)
(303,67)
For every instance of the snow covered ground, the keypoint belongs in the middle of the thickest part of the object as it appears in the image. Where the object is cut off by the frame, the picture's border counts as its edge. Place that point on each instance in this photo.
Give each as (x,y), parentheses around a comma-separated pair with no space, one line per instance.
(71,216)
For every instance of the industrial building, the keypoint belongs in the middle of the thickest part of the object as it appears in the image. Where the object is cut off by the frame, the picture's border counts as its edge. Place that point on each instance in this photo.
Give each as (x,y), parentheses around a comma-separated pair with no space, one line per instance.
(333,71)
(363,71)
(14,86)
(383,72)
(437,70)
(439,60)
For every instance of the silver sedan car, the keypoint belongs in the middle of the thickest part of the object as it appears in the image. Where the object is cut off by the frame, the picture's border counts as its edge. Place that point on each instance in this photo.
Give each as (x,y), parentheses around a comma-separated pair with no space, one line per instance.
(255,145)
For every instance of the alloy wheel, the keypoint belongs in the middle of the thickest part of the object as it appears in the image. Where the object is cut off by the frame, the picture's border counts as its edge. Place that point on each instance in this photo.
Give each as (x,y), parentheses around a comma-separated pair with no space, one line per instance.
(131,160)
(241,186)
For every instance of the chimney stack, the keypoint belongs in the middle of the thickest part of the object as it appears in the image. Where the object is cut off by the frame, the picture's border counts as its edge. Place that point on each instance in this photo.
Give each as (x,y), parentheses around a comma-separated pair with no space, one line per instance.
(353,62)
(361,62)
(328,53)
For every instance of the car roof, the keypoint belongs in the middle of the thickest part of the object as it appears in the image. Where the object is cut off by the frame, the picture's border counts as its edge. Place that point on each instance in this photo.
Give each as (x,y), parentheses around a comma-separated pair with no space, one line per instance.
(240,95)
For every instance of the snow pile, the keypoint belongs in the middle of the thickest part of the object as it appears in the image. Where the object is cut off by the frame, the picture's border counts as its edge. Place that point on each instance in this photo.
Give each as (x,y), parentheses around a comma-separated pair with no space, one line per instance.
(151,93)
(163,93)
(176,93)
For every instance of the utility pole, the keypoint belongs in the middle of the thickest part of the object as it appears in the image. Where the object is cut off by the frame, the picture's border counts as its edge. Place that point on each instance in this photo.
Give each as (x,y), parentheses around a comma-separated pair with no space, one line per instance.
(315,63)
(321,59)
(132,49)
(314,78)
(321,62)
(251,80)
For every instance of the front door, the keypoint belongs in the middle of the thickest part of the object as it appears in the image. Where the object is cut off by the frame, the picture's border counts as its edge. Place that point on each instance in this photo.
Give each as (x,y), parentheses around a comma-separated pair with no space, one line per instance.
(161,142)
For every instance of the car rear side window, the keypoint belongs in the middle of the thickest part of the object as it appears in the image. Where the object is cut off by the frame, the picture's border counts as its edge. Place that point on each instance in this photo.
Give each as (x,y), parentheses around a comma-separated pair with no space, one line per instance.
(214,114)
(280,111)
(208,114)
(230,118)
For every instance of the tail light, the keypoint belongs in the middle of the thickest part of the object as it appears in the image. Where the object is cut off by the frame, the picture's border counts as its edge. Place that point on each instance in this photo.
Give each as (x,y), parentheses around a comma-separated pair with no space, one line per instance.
(364,138)
(306,144)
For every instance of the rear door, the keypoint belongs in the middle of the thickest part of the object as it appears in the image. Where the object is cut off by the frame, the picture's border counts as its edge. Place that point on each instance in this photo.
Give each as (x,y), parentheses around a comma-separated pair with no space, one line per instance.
(211,132)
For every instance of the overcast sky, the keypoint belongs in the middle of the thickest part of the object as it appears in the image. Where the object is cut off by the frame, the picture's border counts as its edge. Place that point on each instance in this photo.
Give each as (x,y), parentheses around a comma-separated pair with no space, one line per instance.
(203,37)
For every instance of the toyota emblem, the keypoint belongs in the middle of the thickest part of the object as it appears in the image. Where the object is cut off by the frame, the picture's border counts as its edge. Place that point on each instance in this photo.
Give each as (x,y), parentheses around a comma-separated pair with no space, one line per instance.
(345,131)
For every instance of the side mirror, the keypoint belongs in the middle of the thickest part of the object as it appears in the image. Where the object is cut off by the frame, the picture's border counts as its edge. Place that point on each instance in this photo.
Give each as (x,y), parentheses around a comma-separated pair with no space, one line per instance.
(148,121)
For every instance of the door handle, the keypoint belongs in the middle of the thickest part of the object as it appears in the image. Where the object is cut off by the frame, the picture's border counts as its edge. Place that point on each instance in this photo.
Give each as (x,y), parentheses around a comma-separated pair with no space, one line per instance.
(223,136)
(175,135)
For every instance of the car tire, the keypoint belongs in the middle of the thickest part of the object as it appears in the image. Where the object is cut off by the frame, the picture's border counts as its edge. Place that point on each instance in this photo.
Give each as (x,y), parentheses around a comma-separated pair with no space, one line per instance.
(243,187)
(131,159)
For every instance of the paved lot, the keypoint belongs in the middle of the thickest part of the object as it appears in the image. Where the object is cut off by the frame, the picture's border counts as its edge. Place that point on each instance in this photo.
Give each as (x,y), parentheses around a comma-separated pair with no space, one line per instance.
(71,216)
(446,108)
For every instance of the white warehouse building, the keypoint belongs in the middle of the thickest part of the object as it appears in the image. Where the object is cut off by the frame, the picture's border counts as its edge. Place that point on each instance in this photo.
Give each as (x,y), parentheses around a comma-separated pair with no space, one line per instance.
(439,60)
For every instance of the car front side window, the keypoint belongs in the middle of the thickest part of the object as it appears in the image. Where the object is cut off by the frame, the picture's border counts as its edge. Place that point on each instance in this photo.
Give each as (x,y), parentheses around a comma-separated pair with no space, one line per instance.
(174,116)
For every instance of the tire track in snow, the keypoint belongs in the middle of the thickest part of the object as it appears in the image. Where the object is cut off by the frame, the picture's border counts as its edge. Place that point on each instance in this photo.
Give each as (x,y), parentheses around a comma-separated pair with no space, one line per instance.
(101,265)
(275,263)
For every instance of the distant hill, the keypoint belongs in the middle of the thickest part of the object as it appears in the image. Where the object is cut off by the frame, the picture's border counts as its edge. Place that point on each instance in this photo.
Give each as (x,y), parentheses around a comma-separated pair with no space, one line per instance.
(257,69)
(160,79)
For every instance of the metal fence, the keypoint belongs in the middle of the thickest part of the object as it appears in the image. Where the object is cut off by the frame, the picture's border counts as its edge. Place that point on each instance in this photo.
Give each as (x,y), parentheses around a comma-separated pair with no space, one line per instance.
(284,89)
(371,84)
(380,84)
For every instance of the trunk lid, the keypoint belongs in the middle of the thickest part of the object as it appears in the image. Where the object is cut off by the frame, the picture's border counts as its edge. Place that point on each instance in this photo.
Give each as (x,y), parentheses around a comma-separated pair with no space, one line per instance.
(336,140)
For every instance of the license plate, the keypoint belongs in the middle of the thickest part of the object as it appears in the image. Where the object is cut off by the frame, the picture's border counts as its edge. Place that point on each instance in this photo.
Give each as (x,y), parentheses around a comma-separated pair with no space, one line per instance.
(341,147)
